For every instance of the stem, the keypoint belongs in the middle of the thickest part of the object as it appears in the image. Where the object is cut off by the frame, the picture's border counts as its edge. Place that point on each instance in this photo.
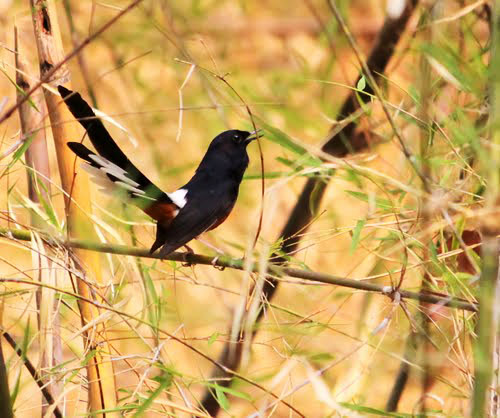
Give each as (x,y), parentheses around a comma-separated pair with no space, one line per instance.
(32,371)
(5,406)
(490,162)
(229,262)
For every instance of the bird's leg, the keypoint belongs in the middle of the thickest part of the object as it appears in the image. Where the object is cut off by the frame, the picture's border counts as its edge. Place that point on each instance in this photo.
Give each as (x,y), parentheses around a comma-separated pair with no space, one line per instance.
(189,251)
(217,250)
(213,247)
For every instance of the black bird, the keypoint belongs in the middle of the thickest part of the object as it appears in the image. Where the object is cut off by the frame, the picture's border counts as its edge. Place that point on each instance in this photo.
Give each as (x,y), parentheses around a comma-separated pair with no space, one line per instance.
(202,204)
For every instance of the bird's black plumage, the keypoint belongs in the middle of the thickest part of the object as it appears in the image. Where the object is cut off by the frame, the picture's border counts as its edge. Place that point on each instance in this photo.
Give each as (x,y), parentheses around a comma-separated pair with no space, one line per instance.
(203,203)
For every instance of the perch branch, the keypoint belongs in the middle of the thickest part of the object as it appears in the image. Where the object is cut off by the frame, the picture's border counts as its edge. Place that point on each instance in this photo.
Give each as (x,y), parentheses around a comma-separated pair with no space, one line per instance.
(233,263)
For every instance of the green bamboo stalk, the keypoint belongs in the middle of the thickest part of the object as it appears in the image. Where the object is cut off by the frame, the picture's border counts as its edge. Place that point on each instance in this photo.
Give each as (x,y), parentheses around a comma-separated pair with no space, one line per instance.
(488,286)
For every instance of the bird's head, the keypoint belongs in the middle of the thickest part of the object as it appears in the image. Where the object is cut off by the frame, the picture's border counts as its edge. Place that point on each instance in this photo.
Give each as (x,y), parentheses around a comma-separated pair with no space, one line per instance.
(232,143)
(227,151)
(235,138)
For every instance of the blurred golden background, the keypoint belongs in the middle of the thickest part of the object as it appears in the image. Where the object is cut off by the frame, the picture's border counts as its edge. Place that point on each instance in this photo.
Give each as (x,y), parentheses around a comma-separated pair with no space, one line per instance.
(293,66)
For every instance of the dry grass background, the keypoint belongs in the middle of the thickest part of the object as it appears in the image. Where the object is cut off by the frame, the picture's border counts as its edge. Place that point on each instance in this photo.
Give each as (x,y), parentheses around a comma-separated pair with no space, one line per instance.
(277,57)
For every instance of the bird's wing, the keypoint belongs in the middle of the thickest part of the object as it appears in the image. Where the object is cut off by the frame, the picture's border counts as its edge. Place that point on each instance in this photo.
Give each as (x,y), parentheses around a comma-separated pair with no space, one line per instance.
(200,214)
(111,167)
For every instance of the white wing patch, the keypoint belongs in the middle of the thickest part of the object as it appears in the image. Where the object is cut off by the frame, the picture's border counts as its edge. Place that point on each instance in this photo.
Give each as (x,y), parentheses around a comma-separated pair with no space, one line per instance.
(179,197)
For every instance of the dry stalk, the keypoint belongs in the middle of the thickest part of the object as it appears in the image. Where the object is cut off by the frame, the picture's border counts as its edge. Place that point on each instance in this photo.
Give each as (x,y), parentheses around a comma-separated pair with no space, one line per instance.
(37,159)
(102,390)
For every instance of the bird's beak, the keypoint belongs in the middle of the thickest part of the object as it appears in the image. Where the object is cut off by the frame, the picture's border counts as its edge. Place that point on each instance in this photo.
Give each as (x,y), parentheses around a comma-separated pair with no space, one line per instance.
(254,135)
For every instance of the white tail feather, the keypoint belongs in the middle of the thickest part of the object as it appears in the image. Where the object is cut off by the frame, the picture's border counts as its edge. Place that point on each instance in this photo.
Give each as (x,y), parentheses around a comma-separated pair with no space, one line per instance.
(120,176)
(127,186)
(107,186)
(98,177)
(111,168)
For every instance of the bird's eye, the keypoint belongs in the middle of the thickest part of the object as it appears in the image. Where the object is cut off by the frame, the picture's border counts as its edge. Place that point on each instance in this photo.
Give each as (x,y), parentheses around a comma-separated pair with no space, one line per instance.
(236,137)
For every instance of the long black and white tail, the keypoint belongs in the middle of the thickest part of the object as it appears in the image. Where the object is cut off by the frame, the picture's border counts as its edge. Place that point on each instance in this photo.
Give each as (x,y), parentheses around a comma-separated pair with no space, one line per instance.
(111,169)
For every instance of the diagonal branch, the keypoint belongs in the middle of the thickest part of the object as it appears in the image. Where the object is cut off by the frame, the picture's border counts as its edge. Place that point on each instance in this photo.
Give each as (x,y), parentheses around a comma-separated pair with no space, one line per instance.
(34,374)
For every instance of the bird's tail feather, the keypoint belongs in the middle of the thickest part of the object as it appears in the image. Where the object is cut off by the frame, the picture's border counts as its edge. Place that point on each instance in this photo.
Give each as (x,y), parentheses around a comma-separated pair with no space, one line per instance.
(104,144)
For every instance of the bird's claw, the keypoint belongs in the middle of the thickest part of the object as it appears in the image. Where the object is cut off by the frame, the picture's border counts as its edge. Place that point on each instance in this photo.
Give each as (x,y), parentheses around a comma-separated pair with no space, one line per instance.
(186,262)
(214,263)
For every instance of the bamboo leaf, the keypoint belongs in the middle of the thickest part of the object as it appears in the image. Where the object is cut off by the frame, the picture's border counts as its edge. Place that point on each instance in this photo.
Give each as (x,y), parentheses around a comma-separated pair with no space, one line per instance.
(20,90)
(356,235)
(361,83)
(381,203)
(165,380)
(213,337)
(221,398)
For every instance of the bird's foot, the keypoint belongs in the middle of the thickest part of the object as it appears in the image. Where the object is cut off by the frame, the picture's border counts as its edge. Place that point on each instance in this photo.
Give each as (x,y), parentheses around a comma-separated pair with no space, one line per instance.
(186,255)
(214,263)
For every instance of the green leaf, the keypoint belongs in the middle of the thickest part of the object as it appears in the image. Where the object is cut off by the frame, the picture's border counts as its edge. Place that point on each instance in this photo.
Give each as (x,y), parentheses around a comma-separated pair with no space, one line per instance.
(356,234)
(279,137)
(151,298)
(20,151)
(221,398)
(165,380)
(315,198)
(372,411)
(434,256)
(454,67)
(361,83)
(231,391)
(213,337)
(20,90)
(268,175)
(381,203)
(48,208)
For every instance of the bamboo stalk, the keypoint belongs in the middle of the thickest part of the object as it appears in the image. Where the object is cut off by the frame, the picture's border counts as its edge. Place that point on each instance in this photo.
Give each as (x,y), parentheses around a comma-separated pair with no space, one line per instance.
(37,159)
(428,352)
(102,390)
(487,326)
(32,128)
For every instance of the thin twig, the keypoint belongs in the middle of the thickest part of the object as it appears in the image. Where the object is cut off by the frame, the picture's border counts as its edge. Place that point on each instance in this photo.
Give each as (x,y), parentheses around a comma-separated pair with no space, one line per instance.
(110,308)
(75,51)
(32,371)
